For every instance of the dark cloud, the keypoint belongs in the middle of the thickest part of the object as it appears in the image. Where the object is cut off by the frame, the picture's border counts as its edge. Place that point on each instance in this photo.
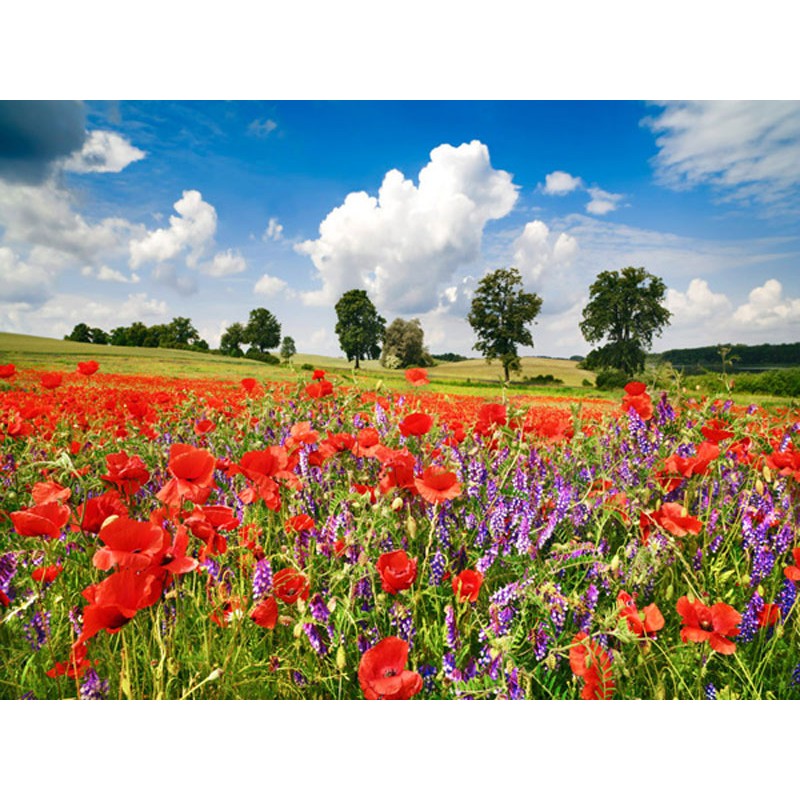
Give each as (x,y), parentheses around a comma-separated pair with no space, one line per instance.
(36,133)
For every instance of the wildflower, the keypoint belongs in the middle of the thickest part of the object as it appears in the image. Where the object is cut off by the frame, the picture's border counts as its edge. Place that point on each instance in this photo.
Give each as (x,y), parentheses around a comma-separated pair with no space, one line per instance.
(589,661)
(712,625)
(467,585)
(438,485)
(397,571)
(48,574)
(192,473)
(290,585)
(416,424)
(42,520)
(417,377)
(643,623)
(673,517)
(88,367)
(792,573)
(382,674)
(265,613)
(127,473)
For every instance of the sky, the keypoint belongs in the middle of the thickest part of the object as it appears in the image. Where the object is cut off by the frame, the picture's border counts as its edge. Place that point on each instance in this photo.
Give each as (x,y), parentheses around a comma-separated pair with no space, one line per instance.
(112,212)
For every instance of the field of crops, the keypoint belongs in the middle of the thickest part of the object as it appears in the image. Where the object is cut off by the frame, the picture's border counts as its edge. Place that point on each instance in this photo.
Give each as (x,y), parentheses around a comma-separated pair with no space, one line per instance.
(210,539)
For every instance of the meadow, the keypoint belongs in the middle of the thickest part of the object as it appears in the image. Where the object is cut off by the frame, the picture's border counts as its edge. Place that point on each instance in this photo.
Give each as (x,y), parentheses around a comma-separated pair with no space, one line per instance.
(258,532)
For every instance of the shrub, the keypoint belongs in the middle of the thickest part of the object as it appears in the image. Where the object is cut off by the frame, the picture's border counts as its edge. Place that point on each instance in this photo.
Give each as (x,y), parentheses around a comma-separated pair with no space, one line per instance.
(612,379)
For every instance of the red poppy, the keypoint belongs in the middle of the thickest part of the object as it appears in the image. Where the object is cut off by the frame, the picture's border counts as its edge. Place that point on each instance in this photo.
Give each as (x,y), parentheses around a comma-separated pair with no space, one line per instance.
(127,473)
(129,544)
(248,384)
(382,674)
(205,522)
(261,468)
(173,559)
(321,388)
(643,623)
(95,511)
(230,610)
(398,472)
(693,465)
(88,367)
(50,380)
(491,415)
(589,661)
(417,376)
(5,601)
(74,667)
(397,571)
(318,375)
(265,613)
(300,522)
(290,585)
(640,403)
(635,388)
(204,426)
(674,518)
(769,615)
(48,574)
(715,431)
(193,475)
(7,371)
(50,492)
(416,424)
(41,520)
(438,485)
(712,625)
(793,572)
(467,585)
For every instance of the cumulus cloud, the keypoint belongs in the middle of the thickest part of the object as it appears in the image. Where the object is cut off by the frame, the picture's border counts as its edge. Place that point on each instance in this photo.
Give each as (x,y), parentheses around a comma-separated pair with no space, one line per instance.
(768,308)
(747,150)
(403,244)
(560,183)
(697,303)
(104,151)
(105,273)
(188,233)
(539,253)
(602,202)
(21,282)
(262,128)
(269,285)
(274,231)
(228,262)
(35,135)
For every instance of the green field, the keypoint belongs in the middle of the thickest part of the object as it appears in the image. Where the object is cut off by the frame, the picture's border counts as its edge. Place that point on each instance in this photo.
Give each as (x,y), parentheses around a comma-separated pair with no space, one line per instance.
(474,376)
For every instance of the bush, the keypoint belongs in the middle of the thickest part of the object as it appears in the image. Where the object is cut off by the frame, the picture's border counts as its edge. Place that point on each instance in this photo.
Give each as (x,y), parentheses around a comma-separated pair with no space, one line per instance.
(307,367)
(586,382)
(612,379)
(264,358)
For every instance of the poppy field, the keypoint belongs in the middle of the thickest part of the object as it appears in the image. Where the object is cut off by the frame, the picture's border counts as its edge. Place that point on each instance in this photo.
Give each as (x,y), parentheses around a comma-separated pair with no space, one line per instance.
(207,539)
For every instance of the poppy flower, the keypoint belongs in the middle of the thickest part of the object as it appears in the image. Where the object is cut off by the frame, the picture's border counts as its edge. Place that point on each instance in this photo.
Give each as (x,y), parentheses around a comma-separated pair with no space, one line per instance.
(205,522)
(47,574)
(318,375)
(398,472)
(643,623)
(438,485)
(417,424)
(712,625)
(88,367)
(417,376)
(5,600)
(41,520)
(792,573)
(265,613)
(50,492)
(715,431)
(382,672)
(91,515)
(290,585)
(231,609)
(261,468)
(397,571)
(467,585)
(321,388)
(635,388)
(129,544)
(193,475)
(7,371)
(127,473)
(204,426)
(74,667)
(640,403)
(589,661)
(693,465)
(674,518)
(299,522)
(248,384)
(50,380)
(769,615)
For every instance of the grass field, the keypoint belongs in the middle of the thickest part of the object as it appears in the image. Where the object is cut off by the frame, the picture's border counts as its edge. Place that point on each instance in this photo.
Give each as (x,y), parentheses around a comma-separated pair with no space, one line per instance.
(37,352)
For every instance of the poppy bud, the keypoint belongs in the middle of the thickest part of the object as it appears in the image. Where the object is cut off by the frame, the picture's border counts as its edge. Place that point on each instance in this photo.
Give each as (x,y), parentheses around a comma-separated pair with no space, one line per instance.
(397,503)
(767,474)
(298,630)
(341,660)
(615,563)
(411,527)
(670,592)
(109,520)
(759,486)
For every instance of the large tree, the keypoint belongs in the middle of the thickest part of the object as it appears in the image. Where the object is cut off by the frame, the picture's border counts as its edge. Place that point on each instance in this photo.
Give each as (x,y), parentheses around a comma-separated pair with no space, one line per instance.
(405,341)
(263,330)
(499,314)
(230,341)
(359,327)
(288,349)
(626,308)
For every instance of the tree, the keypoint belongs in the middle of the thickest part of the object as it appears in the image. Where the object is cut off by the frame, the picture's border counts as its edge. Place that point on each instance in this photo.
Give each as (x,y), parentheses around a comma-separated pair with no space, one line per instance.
(99,336)
(288,349)
(404,340)
(230,341)
(626,308)
(263,331)
(360,328)
(499,314)
(180,333)
(80,333)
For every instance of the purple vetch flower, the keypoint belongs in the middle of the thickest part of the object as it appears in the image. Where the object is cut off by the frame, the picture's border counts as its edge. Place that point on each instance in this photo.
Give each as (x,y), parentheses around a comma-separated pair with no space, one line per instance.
(763,563)
(92,688)
(299,678)
(710,691)
(438,568)
(540,640)
(786,598)
(450,628)
(515,691)
(37,631)
(749,624)
(76,618)
(449,669)
(315,638)
(262,579)
(796,675)
(8,569)
(697,561)
(319,609)
(428,673)
(402,619)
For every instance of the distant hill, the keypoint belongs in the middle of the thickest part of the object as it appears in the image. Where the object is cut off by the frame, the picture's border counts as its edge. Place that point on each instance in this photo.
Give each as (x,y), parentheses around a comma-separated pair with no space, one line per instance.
(744,357)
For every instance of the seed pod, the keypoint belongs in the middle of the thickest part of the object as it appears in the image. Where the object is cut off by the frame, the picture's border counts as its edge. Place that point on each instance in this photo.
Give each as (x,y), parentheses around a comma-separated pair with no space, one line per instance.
(411,527)
(397,503)
(341,660)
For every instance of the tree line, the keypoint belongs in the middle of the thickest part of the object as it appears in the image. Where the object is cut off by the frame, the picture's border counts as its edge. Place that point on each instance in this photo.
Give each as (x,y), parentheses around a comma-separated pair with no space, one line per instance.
(625,311)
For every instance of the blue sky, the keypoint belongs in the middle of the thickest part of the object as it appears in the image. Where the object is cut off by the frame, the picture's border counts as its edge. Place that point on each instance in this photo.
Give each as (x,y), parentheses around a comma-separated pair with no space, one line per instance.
(112,212)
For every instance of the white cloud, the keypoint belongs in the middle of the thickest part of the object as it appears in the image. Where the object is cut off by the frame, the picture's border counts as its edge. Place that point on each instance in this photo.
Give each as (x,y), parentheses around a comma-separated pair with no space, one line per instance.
(104,151)
(274,231)
(269,285)
(561,183)
(602,202)
(768,308)
(105,273)
(697,303)
(748,150)
(262,128)
(401,245)
(225,263)
(190,232)
(538,251)
(21,282)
